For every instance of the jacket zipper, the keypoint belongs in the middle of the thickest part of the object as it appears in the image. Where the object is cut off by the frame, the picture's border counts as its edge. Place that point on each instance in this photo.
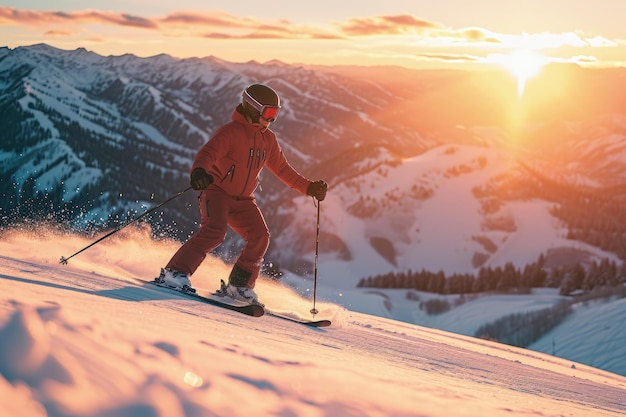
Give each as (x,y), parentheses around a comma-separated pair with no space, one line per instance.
(231,172)
(249,165)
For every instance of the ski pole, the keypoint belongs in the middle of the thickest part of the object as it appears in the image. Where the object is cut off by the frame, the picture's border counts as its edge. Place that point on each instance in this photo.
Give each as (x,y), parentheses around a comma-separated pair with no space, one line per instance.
(64,259)
(314,311)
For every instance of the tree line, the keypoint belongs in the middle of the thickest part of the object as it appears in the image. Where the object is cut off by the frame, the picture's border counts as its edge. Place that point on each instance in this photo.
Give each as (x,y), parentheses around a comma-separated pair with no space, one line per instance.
(568,278)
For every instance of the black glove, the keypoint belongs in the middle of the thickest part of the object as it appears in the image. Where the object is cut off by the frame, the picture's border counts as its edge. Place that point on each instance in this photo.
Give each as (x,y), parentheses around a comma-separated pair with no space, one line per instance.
(200,179)
(317,189)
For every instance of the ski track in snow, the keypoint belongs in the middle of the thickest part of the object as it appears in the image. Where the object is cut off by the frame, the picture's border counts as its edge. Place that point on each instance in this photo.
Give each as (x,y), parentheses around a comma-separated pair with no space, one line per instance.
(89,339)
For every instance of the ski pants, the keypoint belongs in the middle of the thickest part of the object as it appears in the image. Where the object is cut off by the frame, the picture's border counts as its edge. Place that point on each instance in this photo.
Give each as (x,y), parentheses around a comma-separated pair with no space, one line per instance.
(218,211)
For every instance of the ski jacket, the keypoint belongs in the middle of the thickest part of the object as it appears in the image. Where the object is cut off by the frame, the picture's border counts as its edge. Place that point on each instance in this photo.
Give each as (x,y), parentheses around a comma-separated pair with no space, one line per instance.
(237,152)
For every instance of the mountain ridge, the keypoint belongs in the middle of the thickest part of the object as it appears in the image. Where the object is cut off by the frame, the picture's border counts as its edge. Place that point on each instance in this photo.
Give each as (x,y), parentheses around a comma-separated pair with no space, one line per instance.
(93,141)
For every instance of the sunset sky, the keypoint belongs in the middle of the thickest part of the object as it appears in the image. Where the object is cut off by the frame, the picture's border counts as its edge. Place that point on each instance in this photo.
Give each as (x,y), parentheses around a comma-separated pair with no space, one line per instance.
(519,35)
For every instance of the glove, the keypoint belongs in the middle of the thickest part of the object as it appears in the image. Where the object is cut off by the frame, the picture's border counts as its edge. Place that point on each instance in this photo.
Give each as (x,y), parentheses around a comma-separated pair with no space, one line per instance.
(317,189)
(200,180)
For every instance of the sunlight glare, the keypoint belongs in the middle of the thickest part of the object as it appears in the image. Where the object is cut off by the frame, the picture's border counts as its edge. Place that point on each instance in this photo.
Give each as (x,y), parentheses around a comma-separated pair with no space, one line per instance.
(193,379)
(523,64)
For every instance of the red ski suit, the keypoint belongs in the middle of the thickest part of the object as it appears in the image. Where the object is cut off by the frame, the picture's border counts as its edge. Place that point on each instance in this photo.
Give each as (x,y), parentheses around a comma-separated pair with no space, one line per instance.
(234,156)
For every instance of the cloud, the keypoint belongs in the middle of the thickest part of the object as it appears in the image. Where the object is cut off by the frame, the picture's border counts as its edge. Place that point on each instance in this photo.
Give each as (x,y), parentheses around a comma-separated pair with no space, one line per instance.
(225,26)
(214,25)
(58,33)
(12,16)
(448,57)
(215,19)
(252,35)
(584,59)
(474,34)
(386,25)
(234,27)
(408,24)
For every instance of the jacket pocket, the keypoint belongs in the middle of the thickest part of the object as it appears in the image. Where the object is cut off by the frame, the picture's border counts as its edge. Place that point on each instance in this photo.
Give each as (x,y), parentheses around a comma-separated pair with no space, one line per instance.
(230,173)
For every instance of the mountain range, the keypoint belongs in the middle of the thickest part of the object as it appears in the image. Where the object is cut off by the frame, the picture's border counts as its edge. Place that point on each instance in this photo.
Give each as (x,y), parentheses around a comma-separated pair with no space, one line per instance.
(435,170)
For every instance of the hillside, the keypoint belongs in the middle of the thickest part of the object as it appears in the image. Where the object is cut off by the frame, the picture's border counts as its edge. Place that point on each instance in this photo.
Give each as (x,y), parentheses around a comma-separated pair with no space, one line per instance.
(88,339)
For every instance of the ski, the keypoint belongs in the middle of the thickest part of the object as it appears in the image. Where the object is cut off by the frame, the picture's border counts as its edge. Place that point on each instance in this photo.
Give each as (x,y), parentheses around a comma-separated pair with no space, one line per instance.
(310,323)
(253,310)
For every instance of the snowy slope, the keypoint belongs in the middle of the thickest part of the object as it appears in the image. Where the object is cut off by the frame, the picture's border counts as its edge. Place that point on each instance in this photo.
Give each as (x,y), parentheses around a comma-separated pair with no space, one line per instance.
(88,339)
(593,333)
(426,209)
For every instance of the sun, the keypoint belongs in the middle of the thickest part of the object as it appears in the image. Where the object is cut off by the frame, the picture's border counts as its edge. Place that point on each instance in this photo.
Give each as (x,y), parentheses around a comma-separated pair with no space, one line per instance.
(523,64)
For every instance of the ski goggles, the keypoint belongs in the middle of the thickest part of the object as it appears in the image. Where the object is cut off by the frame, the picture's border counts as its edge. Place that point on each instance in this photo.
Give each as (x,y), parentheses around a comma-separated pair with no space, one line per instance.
(266,111)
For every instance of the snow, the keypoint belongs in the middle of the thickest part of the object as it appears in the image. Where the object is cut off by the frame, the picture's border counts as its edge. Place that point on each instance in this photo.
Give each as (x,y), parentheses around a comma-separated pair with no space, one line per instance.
(90,339)
(534,222)
(608,336)
(43,162)
(440,232)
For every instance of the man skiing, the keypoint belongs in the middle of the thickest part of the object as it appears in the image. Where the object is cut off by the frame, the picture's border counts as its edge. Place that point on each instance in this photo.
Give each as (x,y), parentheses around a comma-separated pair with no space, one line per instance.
(226,171)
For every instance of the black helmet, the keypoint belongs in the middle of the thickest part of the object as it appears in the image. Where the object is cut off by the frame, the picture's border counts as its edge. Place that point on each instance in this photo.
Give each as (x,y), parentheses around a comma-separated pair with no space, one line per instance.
(260,100)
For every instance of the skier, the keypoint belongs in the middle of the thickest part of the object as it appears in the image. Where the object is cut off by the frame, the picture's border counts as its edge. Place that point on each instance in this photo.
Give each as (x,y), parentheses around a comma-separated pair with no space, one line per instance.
(226,171)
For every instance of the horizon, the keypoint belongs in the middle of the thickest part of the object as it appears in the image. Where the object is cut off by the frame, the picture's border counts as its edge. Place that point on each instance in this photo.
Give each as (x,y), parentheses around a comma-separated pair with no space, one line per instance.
(524,67)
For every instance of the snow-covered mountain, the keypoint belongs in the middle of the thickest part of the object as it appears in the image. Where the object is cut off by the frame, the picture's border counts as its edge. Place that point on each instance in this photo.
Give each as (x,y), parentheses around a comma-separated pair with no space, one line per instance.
(425,170)
(92,140)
